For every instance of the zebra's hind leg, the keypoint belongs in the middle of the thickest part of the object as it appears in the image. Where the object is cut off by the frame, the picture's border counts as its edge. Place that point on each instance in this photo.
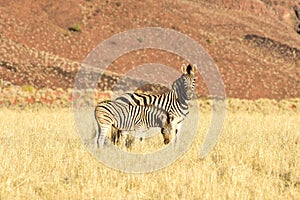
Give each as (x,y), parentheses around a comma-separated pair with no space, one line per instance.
(101,135)
(98,132)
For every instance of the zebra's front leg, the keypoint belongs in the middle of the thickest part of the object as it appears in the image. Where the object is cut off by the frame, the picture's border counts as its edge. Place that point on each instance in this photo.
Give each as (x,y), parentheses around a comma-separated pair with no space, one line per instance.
(115,135)
(126,140)
(177,134)
(141,134)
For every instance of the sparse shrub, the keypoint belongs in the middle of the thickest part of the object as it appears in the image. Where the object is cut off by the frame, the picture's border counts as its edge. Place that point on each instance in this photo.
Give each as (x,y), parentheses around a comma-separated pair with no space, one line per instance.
(75,28)
(140,40)
(28,88)
(208,41)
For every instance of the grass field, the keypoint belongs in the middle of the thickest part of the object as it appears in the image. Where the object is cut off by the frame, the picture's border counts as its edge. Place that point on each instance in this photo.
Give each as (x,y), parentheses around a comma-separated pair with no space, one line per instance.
(257,157)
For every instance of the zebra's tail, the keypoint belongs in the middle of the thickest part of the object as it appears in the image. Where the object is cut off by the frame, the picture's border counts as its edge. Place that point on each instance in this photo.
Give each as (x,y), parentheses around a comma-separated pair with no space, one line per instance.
(97,129)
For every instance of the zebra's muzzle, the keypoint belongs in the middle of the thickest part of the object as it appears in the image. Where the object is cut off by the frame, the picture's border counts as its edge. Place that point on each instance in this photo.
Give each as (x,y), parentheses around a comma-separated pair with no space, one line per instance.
(166,141)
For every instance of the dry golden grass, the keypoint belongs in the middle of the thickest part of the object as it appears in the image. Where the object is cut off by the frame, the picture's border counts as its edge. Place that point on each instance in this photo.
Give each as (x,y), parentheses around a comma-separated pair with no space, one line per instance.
(257,157)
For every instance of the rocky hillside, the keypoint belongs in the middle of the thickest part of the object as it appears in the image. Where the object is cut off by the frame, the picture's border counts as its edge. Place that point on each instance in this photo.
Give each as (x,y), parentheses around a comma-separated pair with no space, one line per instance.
(255,43)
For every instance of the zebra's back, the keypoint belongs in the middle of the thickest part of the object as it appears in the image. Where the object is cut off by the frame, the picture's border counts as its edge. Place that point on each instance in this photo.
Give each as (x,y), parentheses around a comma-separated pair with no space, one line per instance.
(129,117)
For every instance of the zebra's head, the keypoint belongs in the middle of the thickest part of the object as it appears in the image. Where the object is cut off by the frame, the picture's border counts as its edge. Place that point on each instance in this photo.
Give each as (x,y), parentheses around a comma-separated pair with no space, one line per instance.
(169,129)
(184,86)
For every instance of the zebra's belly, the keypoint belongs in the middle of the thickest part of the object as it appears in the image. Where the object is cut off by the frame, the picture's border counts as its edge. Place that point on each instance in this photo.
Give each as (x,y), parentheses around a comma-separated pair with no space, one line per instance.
(143,133)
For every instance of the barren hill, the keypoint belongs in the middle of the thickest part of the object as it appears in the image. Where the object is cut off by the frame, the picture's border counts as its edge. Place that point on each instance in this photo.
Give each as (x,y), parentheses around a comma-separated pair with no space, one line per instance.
(255,43)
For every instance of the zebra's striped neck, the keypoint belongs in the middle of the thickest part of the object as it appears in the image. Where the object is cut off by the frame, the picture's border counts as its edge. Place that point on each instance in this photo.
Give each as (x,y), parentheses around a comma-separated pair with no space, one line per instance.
(180,91)
(181,105)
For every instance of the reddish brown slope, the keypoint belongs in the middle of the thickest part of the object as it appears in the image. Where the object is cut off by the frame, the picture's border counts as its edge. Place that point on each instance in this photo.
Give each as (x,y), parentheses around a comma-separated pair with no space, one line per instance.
(38,49)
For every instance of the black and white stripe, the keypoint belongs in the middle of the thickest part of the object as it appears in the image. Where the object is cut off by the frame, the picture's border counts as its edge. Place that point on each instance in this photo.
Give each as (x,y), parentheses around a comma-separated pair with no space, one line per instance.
(126,117)
(174,102)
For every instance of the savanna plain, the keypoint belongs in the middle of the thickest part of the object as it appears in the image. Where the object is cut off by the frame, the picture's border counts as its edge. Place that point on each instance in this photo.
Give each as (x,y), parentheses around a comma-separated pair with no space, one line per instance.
(257,157)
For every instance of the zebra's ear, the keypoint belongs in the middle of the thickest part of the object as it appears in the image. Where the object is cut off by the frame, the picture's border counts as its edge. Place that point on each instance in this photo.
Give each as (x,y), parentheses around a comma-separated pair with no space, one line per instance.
(189,69)
(194,68)
(183,69)
(170,118)
(163,118)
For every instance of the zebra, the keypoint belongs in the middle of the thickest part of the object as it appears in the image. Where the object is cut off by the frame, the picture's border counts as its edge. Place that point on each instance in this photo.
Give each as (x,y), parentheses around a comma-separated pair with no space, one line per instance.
(125,117)
(175,102)
(166,131)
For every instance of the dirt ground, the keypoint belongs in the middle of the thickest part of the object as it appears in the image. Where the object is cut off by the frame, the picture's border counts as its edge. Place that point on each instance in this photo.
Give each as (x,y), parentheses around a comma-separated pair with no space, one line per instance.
(254,43)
